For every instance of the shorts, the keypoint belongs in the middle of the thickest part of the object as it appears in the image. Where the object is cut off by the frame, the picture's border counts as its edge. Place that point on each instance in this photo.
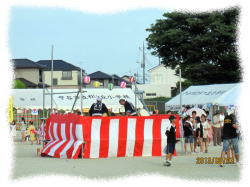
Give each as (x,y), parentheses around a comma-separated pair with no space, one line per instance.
(205,139)
(189,139)
(231,143)
(170,148)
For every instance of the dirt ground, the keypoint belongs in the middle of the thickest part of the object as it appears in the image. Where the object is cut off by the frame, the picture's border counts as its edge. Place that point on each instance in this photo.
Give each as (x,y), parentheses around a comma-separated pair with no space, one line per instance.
(27,163)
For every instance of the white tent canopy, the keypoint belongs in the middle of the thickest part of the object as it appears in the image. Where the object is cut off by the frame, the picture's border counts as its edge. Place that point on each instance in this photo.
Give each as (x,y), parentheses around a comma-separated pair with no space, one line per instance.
(215,94)
(230,98)
(33,98)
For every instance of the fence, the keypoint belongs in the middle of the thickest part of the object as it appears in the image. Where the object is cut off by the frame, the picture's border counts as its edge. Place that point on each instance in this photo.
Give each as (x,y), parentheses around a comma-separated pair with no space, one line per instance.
(27,114)
(156,105)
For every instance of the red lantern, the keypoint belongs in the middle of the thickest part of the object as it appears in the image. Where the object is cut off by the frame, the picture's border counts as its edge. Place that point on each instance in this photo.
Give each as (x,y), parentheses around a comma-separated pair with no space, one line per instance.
(123,84)
(131,79)
(86,79)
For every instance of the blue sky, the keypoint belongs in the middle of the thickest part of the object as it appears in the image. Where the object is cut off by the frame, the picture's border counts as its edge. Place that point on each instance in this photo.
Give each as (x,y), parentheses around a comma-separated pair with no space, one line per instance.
(106,42)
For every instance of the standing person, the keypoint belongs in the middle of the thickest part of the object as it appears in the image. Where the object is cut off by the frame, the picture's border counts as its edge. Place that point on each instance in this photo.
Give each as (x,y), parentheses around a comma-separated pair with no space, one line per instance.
(171,140)
(222,117)
(210,131)
(230,138)
(216,129)
(192,119)
(129,107)
(206,128)
(31,130)
(169,112)
(188,134)
(13,129)
(23,129)
(40,132)
(199,133)
(98,108)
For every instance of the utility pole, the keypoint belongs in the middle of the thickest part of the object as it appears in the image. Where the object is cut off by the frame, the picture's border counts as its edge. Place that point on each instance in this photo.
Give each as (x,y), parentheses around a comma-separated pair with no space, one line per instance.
(180,90)
(81,87)
(182,144)
(52,68)
(43,93)
(135,93)
(143,62)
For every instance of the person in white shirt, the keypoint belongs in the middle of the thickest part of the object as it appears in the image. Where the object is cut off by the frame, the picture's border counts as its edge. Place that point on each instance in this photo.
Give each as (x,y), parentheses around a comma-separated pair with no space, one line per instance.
(206,127)
(13,129)
(216,129)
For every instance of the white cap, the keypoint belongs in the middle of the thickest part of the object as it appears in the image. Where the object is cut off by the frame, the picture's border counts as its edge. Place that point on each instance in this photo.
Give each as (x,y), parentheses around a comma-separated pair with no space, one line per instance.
(99,99)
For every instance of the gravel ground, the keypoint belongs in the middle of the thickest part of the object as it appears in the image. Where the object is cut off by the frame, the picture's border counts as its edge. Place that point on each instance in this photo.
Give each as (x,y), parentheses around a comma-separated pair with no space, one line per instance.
(27,163)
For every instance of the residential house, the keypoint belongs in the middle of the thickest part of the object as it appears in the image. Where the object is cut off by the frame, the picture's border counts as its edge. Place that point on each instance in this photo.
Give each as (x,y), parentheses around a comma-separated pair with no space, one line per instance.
(125,77)
(28,72)
(65,75)
(162,81)
(105,79)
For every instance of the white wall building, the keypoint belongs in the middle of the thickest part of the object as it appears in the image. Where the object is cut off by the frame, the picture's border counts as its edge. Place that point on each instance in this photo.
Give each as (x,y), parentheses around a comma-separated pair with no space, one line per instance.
(162,79)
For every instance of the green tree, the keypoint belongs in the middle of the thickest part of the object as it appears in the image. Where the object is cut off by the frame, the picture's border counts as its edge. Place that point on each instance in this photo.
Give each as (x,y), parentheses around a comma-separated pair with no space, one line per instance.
(203,44)
(19,84)
(184,85)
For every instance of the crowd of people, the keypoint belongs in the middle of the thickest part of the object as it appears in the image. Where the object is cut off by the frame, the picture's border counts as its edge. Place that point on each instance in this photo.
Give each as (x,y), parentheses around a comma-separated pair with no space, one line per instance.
(200,131)
(28,131)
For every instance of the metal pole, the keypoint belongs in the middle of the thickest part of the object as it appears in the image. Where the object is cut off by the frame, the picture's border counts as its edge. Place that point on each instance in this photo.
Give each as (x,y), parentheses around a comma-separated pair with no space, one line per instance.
(182,144)
(143,63)
(75,101)
(52,68)
(43,93)
(135,96)
(180,91)
(81,91)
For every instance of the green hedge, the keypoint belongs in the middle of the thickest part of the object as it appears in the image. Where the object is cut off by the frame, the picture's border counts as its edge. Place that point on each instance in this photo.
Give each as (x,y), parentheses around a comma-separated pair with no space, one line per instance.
(19,84)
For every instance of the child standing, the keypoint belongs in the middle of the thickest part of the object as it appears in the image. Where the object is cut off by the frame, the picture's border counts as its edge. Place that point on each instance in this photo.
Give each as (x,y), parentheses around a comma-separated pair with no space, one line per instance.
(199,133)
(171,140)
(23,129)
(31,130)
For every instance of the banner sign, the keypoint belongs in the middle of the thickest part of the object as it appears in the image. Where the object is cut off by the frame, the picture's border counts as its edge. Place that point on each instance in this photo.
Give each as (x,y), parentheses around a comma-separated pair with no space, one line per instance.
(65,98)
(10,110)
(34,112)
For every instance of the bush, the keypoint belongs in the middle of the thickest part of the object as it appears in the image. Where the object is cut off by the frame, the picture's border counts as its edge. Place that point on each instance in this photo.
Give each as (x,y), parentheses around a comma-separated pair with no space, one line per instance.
(19,84)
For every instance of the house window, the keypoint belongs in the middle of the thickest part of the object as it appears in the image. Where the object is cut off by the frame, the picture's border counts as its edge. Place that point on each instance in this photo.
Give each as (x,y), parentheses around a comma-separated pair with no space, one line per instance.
(150,94)
(55,82)
(67,75)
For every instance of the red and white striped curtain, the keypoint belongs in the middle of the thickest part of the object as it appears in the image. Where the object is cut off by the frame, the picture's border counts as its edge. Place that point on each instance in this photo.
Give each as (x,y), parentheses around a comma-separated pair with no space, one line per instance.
(102,137)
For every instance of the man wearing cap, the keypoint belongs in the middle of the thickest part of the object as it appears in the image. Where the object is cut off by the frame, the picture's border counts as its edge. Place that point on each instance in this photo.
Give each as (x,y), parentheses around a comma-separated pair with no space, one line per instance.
(98,108)
(171,140)
(129,107)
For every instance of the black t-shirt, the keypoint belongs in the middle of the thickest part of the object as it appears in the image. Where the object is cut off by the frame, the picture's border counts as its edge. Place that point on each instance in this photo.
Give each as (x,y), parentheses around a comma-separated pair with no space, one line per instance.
(98,109)
(129,107)
(188,130)
(171,135)
(199,130)
(229,131)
